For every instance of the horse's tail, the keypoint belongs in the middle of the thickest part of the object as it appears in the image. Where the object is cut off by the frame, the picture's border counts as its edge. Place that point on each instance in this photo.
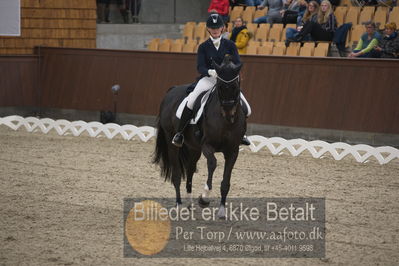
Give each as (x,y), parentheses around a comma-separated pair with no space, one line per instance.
(169,160)
(161,155)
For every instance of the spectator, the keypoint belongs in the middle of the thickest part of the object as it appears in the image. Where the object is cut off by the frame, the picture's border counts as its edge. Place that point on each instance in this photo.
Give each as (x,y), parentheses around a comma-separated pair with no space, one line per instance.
(240,35)
(225,32)
(273,15)
(234,3)
(321,30)
(303,5)
(220,7)
(367,41)
(364,2)
(309,15)
(253,2)
(389,45)
(134,7)
(290,11)
(245,2)
(335,3)
(103,11)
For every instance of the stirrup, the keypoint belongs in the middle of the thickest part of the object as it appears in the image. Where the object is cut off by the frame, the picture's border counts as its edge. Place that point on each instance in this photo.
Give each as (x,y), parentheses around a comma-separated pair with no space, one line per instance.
(245,141)
(178,139)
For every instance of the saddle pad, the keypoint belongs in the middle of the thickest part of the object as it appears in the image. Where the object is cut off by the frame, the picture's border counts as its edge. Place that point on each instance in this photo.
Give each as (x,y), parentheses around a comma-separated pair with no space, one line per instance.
(195,119)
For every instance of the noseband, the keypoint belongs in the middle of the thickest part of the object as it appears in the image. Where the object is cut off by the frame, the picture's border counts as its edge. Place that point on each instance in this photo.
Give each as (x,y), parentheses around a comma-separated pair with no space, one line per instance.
(229,81)
(229,102)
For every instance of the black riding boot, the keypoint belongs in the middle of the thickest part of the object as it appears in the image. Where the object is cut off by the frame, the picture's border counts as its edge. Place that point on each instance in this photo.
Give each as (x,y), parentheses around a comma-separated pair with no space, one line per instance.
(178,139)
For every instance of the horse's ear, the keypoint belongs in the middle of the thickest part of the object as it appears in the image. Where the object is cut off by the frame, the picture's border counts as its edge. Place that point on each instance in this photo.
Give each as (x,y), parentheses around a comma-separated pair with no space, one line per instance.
(238,67)
(217,67)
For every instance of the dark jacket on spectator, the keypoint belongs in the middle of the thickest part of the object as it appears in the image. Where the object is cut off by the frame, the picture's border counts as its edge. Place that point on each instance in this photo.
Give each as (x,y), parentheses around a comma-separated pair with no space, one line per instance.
(390,46)
(331,24)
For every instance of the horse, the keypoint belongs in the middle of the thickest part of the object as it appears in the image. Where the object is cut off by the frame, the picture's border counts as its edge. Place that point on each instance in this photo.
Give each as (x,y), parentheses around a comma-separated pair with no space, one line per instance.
(223,126)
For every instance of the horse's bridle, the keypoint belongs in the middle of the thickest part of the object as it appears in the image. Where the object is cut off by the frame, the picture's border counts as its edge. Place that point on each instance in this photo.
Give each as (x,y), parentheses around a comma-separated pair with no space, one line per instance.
(229,81)
(229,102)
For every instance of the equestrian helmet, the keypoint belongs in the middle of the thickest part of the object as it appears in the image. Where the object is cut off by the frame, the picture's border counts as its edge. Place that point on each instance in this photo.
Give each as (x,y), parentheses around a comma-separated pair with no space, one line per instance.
(214,21)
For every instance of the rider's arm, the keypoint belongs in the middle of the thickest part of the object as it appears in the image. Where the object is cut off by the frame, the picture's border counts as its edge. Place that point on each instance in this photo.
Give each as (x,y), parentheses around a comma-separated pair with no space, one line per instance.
(201,61)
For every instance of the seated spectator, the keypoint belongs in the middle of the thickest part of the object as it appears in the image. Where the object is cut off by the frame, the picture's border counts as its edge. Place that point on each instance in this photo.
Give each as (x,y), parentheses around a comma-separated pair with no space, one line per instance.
(240,35)
(335,3)
(290,11)
(234,3)
(245,2)
(364,2)
(225,32)
(367,41)
(253,2)
(309,15)
(273,15)
(303,5)
(220,7)
(321,30)
(388,47)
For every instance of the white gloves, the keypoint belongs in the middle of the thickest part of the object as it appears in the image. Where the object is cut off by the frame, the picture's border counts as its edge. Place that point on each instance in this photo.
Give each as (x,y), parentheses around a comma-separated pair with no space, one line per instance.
(212,73)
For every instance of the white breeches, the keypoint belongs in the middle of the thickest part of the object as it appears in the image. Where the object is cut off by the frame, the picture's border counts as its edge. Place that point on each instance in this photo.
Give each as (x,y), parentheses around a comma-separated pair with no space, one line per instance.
(246,103)
(205,84)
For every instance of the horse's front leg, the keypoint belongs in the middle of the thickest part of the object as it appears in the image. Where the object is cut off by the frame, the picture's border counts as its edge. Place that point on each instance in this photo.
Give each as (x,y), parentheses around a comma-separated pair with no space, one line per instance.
(230,160)
(209,154)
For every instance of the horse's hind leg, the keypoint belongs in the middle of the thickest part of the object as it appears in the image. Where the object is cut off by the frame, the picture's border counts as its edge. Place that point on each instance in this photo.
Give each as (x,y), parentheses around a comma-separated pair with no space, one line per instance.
(176,180)
(230,160)
(191,168)
(209,154)
(176,171)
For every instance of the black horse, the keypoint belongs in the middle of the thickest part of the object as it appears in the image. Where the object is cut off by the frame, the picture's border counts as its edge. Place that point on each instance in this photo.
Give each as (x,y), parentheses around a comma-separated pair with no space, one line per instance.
(223,126)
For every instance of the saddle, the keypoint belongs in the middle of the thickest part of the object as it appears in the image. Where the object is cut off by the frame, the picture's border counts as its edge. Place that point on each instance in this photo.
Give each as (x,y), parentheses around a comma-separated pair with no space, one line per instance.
(201,102)
(199,105)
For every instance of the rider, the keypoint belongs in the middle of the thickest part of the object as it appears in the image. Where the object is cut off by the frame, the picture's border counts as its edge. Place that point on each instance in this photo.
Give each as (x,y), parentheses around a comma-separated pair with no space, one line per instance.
(215,48)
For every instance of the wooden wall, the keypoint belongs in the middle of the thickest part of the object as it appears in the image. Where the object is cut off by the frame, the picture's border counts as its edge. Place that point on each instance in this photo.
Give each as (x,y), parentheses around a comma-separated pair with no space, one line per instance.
(331,93)
(55,23)
(19,81)
(327,93)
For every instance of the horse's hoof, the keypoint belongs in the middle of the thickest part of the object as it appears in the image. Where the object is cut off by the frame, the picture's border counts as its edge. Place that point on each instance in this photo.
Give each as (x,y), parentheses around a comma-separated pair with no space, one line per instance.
(222,213)
(203,203)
